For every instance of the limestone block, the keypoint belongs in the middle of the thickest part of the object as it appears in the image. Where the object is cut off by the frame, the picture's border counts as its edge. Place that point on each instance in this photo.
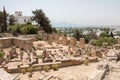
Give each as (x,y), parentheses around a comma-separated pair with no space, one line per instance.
(82,42)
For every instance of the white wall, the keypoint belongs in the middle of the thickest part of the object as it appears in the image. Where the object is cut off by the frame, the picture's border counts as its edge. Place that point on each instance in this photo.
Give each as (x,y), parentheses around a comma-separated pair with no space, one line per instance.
(22,19)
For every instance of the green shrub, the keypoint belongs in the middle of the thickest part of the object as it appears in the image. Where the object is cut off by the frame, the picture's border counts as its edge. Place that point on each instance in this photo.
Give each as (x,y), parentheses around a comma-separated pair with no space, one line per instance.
(23,70)
(108,40)
(86,61)
(29,29)
(39,38)
(15,28)
(55,66)
(2,54)
(93,42)
(102,40)
(104,34)
(40,56)
(46,68)
(24,29)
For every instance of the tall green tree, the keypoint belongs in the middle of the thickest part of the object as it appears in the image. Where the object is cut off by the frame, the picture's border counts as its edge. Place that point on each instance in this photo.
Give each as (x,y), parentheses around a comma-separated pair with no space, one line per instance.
(4,27)
(104,34)
(107,30)
(111,34)
(42,20)
(77,34)
(11,20)
(1,20)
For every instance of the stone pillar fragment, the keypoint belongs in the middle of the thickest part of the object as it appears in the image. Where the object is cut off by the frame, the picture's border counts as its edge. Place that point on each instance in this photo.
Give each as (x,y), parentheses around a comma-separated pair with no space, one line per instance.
(82,43)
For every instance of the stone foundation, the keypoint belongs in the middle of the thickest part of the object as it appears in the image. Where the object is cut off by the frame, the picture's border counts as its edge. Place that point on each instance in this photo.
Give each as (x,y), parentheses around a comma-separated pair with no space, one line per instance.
(24,43)
(37,67)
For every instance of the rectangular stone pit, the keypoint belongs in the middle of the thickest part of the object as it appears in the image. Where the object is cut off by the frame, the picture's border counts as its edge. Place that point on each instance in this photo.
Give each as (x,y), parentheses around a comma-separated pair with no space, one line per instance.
(6,42)
(25,43)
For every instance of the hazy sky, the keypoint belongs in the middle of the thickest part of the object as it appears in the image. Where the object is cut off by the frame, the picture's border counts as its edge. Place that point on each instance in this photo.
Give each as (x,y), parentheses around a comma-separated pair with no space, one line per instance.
(101,12)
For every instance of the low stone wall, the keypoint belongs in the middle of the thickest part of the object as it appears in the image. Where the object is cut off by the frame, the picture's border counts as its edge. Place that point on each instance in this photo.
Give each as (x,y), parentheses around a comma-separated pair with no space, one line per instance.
(37,67)
(70,62)
(26,68)
(93,60)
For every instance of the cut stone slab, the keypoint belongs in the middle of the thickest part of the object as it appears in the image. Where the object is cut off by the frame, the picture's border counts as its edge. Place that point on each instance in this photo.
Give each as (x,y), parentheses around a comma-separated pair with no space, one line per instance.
(6,76)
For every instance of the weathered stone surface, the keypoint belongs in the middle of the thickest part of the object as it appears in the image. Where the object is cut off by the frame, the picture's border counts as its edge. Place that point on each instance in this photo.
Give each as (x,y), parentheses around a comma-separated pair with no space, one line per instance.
(82,43)
(99,54)
(44,37)
(6,76)
(63,40)
(72,41)
(24,43)
(56,38)
(93,53)
(6,42)
(50,39)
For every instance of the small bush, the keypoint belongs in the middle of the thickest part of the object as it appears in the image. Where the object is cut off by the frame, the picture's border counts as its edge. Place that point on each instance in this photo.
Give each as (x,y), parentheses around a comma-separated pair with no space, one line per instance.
(24,29)
(108,40)
(55,66)
(15,28)
(93,42)
(29,29)
(86,61)
(39,38)
(23,71)
(40,56)
(102,40)
(46,68)
(2,54)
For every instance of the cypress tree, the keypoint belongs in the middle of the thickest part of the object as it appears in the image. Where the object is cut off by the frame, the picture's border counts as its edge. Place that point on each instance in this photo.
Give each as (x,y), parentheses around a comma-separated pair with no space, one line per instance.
(12,20)
(111,34)
(4,27)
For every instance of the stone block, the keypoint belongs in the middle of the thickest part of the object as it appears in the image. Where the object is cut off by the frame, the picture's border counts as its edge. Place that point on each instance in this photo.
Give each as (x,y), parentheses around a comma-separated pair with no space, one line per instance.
(6,42)
(73,41)
(82,43)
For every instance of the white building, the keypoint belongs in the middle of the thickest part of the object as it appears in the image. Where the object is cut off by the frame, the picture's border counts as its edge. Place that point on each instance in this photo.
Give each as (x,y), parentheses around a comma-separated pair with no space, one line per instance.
(21,19)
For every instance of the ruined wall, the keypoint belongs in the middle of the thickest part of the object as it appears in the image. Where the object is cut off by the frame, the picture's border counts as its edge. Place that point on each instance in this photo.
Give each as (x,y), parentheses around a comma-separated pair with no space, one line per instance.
(73,41)
(6,42)
(24,43)
(35,67)
(82,43)
(63,40)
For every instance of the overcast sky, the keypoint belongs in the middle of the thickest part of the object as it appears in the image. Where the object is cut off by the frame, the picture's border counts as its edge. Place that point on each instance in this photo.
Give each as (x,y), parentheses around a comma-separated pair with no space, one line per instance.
(92,12)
